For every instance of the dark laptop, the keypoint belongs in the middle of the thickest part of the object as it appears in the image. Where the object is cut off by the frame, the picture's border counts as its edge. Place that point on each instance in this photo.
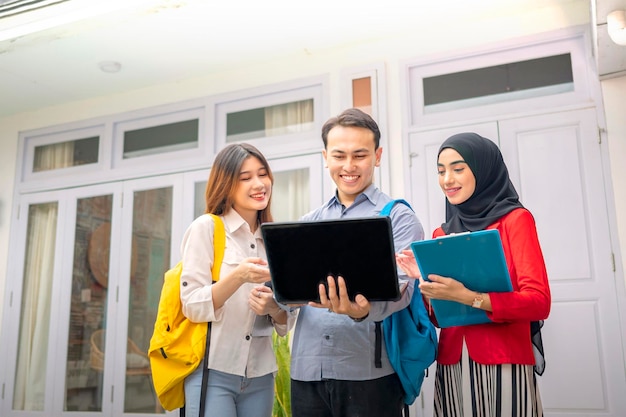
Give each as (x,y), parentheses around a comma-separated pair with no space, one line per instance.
(302,254)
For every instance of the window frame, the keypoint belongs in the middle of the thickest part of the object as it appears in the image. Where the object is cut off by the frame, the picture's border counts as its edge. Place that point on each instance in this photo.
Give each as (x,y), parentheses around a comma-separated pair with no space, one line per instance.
(377,75)
(570,41)
(29,141)
(15,291)
(153,119)
(112,172)
(315,88)
(112,166)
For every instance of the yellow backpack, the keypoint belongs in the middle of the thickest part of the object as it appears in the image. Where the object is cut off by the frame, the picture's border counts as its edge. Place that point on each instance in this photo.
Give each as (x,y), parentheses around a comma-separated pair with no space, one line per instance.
(177,345)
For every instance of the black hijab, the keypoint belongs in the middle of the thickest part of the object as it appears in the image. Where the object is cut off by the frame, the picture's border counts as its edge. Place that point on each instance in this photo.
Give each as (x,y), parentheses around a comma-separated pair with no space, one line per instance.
(494,195)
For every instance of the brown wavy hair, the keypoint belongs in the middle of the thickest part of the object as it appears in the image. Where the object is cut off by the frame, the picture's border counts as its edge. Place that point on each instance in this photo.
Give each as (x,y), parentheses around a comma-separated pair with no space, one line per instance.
(224,179)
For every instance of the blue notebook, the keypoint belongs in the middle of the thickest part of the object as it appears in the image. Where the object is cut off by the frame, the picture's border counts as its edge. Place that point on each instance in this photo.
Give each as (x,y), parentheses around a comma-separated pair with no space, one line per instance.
(474,258)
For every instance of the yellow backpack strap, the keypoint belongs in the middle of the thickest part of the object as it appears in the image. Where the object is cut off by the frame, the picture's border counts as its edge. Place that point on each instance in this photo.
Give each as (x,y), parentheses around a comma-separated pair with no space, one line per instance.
(219,244)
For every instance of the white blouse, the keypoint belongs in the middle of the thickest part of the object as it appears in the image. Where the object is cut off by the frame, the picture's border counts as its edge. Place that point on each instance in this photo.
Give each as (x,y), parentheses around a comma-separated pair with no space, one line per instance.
(241,341)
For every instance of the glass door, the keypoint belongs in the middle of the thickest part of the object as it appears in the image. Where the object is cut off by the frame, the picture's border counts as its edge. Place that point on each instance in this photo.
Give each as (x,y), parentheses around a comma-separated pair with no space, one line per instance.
(58,301)
(29,363)
(299,186)
(121,244)
(147,213)
(88,291)
(89,265)
(150,254)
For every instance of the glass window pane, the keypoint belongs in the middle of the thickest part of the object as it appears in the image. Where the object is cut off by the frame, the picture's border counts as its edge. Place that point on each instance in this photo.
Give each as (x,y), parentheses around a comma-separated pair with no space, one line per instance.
(290,194)
(87,322)
(268,121)
(150,258)
(199,206)
(159,139)
(66,154)
(362,94)
(533,74)
(32,347)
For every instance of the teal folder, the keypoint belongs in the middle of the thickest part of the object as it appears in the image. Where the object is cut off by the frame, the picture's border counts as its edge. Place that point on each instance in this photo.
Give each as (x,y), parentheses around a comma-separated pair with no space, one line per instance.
(474,258)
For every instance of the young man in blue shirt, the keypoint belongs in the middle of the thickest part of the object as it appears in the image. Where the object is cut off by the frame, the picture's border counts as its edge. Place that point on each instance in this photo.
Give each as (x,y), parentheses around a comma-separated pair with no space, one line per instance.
(333,370)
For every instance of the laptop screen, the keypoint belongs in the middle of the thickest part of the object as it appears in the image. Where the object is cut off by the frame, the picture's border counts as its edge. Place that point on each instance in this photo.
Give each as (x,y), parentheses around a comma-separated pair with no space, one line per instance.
(302,254)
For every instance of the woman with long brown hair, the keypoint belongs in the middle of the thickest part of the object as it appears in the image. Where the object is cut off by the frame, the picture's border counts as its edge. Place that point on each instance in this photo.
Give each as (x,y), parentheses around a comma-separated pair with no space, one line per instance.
(241,308)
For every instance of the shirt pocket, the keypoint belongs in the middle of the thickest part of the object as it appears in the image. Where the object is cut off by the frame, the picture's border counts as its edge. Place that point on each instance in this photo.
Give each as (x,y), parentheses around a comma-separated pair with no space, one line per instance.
(232,259)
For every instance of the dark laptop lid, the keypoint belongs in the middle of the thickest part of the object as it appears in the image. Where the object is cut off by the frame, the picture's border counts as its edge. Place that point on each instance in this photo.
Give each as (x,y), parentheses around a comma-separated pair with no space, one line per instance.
(302,254)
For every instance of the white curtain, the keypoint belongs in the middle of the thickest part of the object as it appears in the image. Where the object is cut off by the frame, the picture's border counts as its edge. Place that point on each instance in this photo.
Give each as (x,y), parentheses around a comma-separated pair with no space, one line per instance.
(55,156)
(30,376)
(289,118)
(290,194)
(290,198)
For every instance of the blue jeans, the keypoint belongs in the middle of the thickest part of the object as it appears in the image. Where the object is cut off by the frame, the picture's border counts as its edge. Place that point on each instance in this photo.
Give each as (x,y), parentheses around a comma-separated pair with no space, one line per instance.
(229,395)
(382,397)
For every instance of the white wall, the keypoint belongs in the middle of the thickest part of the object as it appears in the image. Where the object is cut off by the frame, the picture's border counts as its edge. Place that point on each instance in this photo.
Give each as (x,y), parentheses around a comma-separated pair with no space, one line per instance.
(437,39)
(614,97)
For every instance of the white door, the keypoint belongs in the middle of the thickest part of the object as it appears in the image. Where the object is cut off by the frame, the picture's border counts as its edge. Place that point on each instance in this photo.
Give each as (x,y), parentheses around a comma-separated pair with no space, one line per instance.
(555,163)
(75,351)
(29,368)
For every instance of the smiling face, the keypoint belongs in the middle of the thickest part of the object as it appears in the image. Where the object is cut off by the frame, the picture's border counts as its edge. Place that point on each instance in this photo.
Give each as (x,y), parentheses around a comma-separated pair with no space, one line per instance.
(253,189)
(351,159)
(456,179)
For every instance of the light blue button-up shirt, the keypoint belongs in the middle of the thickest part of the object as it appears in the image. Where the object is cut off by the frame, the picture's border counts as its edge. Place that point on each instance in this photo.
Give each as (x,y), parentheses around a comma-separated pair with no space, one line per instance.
(332,346)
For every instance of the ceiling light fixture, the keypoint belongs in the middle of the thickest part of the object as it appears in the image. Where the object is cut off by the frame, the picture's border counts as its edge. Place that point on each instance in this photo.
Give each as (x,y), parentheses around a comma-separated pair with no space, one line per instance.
(616,26)
(110,66)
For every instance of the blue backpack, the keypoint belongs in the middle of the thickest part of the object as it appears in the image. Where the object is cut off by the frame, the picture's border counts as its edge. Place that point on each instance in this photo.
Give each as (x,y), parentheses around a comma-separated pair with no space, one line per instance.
(410,339)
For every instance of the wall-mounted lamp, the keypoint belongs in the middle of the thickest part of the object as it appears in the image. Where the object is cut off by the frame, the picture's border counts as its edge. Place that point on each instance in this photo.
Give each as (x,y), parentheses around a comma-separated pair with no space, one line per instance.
(616,26)
(110,66)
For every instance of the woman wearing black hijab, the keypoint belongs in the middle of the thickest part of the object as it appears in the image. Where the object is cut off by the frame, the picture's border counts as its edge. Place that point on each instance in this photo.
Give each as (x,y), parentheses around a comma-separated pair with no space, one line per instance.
(487,369)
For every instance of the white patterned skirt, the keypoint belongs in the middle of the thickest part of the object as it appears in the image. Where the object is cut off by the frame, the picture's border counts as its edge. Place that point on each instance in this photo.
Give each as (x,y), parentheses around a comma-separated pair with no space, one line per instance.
(470,389)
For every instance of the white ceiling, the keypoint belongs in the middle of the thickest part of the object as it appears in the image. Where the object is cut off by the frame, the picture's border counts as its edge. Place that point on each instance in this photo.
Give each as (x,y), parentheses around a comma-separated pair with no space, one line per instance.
(162,41)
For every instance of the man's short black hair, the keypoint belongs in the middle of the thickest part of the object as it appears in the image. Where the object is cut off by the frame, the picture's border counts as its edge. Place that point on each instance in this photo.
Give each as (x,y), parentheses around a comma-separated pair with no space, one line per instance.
(352,117)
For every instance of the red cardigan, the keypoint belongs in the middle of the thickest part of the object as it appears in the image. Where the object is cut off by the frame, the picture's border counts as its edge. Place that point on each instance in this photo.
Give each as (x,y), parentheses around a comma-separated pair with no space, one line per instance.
(507,338)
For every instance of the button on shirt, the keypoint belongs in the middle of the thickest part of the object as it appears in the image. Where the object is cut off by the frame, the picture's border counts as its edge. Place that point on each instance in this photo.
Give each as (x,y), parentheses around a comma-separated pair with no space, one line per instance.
(332,346)
(241,342)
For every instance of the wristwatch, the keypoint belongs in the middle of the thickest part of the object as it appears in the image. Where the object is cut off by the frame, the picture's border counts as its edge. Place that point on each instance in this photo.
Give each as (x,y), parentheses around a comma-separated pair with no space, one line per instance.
(360,319)
(478,300)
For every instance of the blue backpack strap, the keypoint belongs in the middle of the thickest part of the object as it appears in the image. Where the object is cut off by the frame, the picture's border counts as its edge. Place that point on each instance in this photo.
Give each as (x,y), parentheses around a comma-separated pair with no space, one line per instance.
(386,211)
(410,337)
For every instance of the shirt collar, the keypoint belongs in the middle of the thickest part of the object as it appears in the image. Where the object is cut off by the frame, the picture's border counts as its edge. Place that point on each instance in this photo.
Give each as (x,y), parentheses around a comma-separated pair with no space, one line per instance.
(234,221)
(371,193)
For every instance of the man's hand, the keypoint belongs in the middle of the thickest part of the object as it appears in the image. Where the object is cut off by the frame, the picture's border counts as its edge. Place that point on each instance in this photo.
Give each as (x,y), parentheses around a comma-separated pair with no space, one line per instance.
(337,301)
